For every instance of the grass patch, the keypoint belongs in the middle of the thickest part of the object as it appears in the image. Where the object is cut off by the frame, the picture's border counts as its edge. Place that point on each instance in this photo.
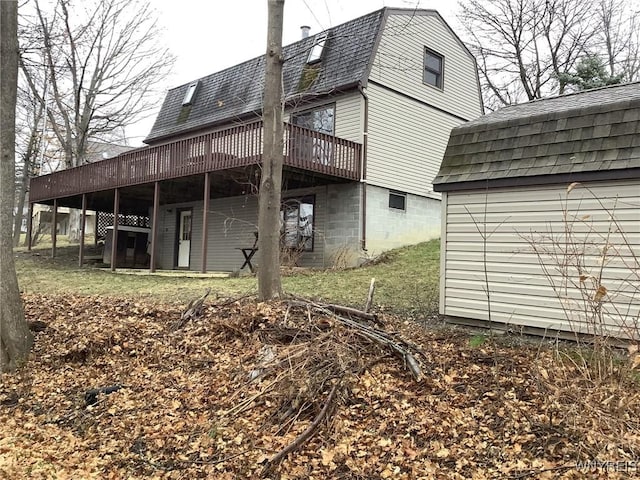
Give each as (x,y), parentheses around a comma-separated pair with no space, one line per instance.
(406,281)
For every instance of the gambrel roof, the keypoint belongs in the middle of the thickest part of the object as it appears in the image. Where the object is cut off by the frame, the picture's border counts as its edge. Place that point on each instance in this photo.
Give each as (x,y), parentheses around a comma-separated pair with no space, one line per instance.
(237,91)
(585,135)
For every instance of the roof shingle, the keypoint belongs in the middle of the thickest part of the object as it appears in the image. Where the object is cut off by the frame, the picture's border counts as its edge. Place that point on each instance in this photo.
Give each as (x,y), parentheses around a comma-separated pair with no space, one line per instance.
(588,131)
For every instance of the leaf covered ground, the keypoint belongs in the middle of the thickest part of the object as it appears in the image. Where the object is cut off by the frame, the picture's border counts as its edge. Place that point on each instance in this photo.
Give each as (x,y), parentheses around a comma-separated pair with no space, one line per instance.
(186,408)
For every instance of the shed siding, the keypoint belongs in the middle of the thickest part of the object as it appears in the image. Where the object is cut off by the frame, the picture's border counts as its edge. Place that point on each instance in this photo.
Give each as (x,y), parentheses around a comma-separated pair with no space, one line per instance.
(398,63)
(520,290)
(406,142)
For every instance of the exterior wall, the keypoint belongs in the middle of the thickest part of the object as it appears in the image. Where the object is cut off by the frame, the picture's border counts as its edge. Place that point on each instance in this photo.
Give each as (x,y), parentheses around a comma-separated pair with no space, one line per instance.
(406,142)
(398,63)
(343,228)
(520,289)
(410,121)
(391,228)
(233,221)
(349,114)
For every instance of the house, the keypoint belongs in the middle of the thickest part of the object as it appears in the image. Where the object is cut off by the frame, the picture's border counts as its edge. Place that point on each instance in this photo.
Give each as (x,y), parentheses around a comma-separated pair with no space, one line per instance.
(541,215)
(369,107)
(42,216)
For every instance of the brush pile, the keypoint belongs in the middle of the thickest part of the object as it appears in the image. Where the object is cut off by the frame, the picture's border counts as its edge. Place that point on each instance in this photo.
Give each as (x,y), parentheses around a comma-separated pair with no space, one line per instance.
(297,390)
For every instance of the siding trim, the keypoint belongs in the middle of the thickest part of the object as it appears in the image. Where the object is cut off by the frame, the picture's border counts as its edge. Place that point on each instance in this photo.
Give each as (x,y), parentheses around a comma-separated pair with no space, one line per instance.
(417,100)
(443,252)
(613,174)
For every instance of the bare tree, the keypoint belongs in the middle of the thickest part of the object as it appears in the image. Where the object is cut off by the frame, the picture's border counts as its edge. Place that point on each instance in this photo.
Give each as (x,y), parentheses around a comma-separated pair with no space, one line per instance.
(525,48)
(103,62)
(29,149)
(619,37)
(269,285)
(15,337)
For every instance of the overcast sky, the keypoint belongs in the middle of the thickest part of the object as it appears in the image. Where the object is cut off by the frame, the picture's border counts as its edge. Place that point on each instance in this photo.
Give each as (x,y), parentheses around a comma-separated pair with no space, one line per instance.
(209,35)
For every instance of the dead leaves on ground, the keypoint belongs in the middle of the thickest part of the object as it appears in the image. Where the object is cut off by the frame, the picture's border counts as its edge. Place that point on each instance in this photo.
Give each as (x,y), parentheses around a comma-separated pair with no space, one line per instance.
(488,412)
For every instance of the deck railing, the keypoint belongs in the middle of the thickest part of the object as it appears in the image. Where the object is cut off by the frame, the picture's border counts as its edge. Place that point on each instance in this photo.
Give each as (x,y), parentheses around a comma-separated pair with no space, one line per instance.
(233,147)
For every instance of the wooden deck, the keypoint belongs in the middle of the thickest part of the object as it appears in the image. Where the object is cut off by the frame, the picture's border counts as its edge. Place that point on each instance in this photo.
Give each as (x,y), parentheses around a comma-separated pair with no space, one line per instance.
(233,147)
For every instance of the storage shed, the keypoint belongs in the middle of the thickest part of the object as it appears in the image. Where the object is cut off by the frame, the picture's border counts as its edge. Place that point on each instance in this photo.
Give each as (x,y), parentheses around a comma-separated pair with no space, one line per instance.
(541,216)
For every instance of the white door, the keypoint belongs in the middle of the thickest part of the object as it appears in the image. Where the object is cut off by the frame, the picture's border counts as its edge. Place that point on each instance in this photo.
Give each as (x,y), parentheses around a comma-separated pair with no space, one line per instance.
(184,239)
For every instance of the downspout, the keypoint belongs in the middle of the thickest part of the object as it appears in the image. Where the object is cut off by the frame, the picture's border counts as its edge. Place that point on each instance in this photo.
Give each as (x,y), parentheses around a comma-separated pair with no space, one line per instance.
(363,169)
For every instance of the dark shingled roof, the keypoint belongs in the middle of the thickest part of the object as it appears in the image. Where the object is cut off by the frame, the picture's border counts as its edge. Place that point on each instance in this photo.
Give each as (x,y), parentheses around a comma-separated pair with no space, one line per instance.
(572,135)
(237,91)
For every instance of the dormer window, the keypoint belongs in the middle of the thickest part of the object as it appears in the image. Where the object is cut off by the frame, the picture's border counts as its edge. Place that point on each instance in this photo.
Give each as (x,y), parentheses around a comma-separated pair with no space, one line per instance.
(190,94)
(318,47)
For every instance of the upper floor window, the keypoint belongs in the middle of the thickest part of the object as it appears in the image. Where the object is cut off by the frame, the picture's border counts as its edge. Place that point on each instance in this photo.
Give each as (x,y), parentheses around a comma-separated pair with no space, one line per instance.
(319,119)
(433,68)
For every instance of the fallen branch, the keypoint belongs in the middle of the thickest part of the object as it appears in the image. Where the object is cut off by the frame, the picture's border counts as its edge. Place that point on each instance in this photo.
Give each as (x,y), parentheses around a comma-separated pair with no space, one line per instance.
(372,288)
(304,436)
(193,310)
(351,311)
(377,335)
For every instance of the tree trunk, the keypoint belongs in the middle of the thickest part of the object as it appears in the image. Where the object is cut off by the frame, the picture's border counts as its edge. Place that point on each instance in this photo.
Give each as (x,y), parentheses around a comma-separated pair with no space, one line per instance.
(15,337)
(74,231)
(269,285)
(22,196)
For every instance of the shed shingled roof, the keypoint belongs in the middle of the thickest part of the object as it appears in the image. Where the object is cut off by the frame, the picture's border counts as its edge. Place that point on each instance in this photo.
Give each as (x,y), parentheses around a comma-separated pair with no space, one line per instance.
(237,91)
(579,133)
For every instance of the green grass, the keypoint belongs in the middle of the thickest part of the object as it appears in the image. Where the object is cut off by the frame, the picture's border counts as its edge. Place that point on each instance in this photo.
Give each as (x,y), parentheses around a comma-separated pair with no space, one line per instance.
(406,280)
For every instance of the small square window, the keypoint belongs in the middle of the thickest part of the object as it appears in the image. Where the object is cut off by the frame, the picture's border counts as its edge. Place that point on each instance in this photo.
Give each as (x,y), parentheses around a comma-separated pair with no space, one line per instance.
(398,200)
(433,68)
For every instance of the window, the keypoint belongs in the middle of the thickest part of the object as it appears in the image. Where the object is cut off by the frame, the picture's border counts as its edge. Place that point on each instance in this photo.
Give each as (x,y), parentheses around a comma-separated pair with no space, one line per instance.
(297,223)
(311,148)
(320,119)
(318,47)
(190,94)
(433,68)
(398,200)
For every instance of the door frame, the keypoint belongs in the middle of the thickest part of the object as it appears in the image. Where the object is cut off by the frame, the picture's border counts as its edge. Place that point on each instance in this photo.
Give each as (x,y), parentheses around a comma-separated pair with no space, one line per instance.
(176,242)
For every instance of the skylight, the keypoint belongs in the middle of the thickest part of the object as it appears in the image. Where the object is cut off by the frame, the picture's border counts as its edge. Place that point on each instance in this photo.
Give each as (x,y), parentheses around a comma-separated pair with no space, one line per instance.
(316,52)
(190,94)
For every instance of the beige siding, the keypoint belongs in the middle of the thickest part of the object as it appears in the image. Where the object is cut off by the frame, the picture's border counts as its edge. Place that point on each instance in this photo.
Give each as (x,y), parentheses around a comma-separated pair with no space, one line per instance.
(406,142)
(399,63)
(349,115)
(499,228)
(232,222)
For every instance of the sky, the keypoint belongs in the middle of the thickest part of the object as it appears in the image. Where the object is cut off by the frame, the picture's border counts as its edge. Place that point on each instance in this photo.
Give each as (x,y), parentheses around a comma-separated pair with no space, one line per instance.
(209,35)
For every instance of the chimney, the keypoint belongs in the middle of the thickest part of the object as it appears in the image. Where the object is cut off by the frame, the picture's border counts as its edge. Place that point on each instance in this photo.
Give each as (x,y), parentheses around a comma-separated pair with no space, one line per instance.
(305,31)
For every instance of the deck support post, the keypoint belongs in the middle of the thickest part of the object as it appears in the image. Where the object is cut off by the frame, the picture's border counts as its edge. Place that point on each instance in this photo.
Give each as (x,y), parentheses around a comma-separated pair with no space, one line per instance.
(154,226)
(205,220)
(83,219)
(114,237)
(30,227)
(54,228)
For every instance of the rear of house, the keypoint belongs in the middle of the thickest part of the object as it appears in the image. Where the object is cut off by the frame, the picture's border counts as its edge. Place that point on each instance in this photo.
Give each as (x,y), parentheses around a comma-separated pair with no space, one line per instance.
(369,106)
(541,216)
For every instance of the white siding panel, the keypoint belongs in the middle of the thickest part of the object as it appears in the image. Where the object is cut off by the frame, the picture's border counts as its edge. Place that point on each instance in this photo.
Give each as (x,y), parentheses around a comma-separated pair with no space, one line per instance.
(399,63)
(406,142)
(603,217)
